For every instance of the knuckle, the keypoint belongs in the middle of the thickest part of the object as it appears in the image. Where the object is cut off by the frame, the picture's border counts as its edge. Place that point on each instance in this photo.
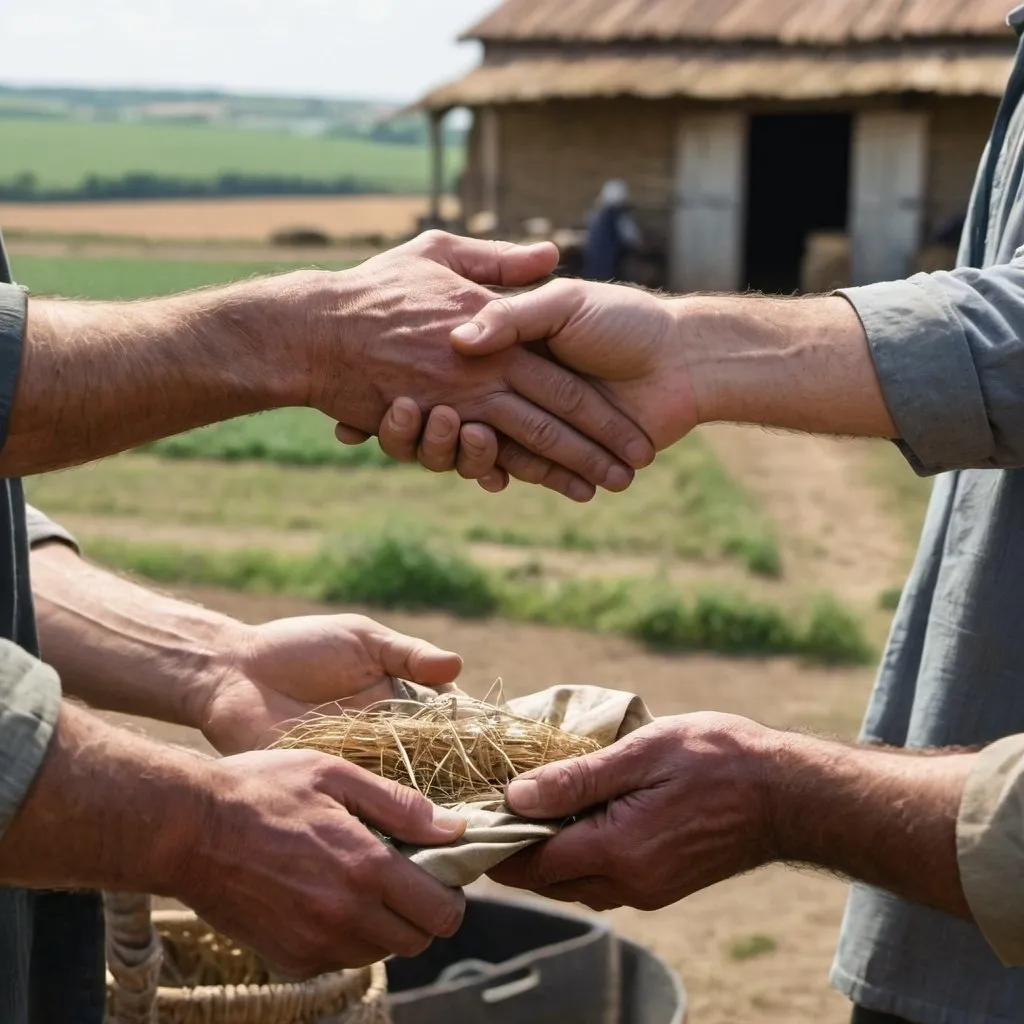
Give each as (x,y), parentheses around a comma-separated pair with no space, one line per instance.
(367,873)
(569,394)
(541,434)
(572,782)
(431,240)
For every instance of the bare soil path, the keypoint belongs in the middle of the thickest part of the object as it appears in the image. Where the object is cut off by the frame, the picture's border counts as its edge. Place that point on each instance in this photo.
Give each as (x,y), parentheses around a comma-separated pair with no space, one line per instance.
(831,519)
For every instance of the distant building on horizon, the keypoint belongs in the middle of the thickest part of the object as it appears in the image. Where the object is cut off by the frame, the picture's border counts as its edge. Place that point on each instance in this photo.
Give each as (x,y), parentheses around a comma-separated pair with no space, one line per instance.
(742,126)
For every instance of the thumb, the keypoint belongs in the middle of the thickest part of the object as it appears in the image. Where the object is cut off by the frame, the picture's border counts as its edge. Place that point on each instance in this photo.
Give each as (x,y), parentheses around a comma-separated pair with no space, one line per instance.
(396,810)
(417,660)
(571,787)
(530,316)
(490,262)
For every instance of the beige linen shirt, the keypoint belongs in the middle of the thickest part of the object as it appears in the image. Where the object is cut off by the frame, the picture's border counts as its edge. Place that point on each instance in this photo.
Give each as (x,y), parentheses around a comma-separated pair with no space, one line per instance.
(990,847)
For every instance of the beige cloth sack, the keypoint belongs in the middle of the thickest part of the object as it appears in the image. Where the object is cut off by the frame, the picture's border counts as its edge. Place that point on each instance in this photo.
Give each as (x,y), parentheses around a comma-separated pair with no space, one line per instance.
(494,834)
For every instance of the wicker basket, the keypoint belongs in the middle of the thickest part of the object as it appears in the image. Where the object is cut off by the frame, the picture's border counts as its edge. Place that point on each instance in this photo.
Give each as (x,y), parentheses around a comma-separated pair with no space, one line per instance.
(168,967)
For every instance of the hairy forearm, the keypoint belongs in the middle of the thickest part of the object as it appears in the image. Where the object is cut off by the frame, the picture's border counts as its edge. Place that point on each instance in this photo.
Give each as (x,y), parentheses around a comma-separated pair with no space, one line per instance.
(883,817)
(796,364)
(108,810)
(98,378)
(122,647)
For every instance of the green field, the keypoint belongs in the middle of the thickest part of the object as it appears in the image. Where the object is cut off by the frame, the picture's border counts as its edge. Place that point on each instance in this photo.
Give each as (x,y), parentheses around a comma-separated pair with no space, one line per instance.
(688,507)
(64,153)
(132,278)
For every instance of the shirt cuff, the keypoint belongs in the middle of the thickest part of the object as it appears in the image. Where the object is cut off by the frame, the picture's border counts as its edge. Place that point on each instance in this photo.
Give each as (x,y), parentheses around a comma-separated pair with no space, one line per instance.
(990,847)
(13,315)
(29,706)
(42,529)
(927,372)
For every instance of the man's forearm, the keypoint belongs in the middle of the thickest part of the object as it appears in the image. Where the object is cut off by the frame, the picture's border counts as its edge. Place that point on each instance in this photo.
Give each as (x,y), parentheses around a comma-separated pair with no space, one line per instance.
(98,378)
(882,817)
(122,647)
(108,810)
(796,364)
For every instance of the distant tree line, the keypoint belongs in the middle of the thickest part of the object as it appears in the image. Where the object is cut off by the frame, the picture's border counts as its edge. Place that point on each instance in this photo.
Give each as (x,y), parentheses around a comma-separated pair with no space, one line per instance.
(26,188)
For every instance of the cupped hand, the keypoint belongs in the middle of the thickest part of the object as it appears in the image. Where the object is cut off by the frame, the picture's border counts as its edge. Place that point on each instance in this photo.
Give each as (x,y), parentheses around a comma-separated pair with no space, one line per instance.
(273,673)
(382,331)
(663,813)
(285,864)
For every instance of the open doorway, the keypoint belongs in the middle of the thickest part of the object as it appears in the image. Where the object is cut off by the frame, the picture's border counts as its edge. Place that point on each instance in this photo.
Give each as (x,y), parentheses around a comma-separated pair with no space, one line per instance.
(798,182)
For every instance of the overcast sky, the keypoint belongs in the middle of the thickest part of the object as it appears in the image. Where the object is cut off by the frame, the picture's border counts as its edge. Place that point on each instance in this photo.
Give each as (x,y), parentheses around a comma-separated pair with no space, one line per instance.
(387,49)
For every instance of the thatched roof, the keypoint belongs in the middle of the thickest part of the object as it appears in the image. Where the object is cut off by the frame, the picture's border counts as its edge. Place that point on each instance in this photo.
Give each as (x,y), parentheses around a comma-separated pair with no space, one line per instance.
(707,75)
(807,22)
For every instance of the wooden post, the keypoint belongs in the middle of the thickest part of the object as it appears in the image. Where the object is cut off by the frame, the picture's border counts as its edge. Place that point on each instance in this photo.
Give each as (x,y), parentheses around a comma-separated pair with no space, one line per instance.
(436,164)
(490,160)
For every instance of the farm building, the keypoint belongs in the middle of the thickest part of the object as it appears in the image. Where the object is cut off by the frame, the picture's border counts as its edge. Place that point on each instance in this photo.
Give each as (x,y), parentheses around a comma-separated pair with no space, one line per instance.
(743,127)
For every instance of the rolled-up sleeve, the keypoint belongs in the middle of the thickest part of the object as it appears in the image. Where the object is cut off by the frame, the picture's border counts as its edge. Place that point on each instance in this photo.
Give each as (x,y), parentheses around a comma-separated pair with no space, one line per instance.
(949,351)
(42,529)
(990,847)
(29,706)
(13,317)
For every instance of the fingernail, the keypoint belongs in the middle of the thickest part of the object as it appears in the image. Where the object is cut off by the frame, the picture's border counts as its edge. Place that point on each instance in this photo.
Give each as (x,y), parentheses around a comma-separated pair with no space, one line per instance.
(449,821)
(580,491)
(402,416)
(638,454)
(523,795)
(617,478)
(467,332)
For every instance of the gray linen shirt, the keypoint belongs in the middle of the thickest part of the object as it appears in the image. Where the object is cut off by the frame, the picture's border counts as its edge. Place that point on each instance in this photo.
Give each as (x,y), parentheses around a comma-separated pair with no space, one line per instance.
(949,349)
(50,943)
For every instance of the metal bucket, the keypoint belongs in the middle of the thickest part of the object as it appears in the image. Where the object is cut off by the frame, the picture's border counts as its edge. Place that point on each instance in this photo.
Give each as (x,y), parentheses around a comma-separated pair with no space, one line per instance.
(525,962)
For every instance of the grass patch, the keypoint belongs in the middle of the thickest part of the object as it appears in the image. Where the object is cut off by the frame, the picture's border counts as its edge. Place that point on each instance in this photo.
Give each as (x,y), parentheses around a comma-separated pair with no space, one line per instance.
(391,573)
(406,574)
(889,600)
(752,946)
(655,518)
(286,437)
(708,496)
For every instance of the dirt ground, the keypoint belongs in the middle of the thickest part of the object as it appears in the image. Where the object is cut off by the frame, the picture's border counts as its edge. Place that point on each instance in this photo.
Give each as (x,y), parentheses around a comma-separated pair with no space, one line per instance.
(800,911)
(198,220)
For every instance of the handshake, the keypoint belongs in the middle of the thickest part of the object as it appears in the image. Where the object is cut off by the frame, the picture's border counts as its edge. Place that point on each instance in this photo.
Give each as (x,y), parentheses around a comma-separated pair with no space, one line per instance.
(568,385)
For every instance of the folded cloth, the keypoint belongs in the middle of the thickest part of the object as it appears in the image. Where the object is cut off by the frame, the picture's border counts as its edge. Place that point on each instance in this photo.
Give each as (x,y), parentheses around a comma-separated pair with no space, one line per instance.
(494,834)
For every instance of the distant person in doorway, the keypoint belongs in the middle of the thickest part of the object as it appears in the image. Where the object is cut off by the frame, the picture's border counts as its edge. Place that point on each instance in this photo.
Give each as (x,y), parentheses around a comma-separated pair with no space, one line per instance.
(612,234)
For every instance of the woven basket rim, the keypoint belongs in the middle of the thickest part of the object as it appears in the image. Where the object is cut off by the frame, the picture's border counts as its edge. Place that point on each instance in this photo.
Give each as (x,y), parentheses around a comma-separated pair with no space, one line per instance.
(354,985)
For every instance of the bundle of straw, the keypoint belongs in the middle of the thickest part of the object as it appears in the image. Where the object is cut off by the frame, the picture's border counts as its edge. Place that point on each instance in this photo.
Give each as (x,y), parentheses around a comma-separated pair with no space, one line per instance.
(453,749)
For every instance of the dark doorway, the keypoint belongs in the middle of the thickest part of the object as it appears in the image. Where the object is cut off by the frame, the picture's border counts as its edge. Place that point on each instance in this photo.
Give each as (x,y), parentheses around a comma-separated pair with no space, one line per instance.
(798,182)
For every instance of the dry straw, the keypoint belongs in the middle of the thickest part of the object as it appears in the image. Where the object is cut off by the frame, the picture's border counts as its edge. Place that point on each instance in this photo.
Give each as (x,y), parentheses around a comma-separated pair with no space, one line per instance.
(454,749)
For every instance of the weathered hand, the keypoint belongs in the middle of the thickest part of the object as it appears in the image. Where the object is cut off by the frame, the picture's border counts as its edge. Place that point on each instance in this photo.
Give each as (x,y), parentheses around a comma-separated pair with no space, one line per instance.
(382,331)
(272,673)
(283,863)
(669,810)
